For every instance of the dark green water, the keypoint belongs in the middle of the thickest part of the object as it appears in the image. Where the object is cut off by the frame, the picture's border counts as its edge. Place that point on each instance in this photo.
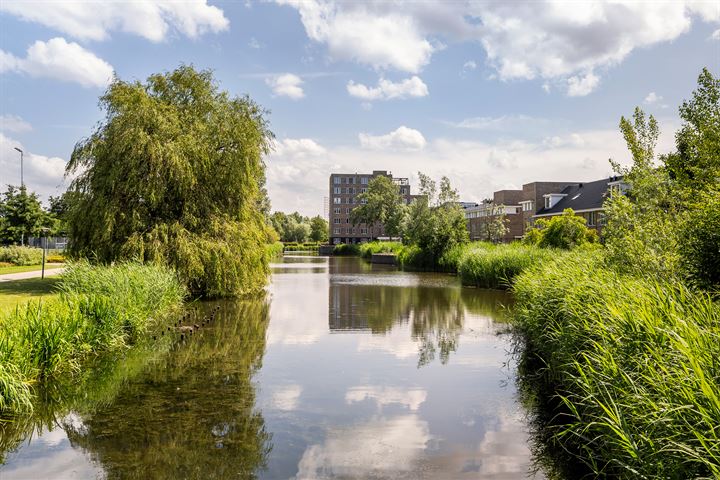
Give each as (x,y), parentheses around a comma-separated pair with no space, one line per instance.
(343,371)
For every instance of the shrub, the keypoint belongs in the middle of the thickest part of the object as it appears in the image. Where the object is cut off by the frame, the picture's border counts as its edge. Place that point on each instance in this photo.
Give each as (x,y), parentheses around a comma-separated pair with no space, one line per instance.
(367,249)
(346,249)
(630,365)
(700,242)
(564,231)
(413,257)
(21,255)
(496,267)
(274,249)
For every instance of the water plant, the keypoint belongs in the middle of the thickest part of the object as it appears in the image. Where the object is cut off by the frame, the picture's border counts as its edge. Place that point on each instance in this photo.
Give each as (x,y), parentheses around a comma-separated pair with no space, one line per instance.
(489,266)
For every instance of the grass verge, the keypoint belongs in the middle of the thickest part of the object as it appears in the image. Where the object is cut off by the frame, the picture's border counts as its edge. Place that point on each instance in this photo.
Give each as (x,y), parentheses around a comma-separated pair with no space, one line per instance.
(29,268)
(99,310)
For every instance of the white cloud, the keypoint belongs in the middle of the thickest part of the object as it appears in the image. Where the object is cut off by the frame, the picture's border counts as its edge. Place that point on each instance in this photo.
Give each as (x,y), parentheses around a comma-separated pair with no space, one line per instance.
(403,138)
(60,60)
(410,398)
(42,174)
(715,35)
(287,85)
(579,86)
(652,97)
(559,41)
(353,31)
(253,43)
(298,148)
(95,19)
(503,122)
(470,65)
(13,123)
(286,398)
(375,449)
(387,90)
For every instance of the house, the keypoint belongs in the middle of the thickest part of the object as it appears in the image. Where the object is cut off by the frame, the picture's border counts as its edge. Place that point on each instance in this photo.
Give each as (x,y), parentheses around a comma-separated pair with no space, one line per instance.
(586,200)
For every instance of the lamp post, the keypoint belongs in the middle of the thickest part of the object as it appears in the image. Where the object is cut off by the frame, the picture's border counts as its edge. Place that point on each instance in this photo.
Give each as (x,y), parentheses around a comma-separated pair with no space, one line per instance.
(44,230)
(22,182)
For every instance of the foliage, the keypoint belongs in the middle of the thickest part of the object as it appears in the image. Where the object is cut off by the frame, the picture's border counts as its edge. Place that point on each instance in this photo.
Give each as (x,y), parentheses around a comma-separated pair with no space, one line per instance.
(301,247)
(21,255)
(296,228)
(100,310)
(22,216)
(496,266)
(450,260)
(700,242)
(274,249)
(494,227)
(369,248)
(695,166)
(381,203)
(627,367)
(346,249)
(565,231)
(435,220)
(319,229)
(641,230)
(173,175)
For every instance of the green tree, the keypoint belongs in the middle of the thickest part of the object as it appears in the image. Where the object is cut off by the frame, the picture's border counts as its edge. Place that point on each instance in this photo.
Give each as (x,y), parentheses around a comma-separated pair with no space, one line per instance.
(564,231)
(381,203)
(435,220)
(173,175)
(641,230)
(494,228)
(319,229)
(21,215)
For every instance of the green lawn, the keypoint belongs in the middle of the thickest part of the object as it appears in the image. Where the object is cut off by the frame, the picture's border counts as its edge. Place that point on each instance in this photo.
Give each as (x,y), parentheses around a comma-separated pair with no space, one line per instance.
(29,268)
(18,291)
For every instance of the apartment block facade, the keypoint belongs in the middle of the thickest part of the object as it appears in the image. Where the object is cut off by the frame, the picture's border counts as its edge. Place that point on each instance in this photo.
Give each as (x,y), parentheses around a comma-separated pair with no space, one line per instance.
(343,198)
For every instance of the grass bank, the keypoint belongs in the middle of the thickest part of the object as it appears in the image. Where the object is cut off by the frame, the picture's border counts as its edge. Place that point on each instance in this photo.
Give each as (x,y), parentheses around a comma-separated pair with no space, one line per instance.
(98,310)
(625,370)
(28,268)
(17,292)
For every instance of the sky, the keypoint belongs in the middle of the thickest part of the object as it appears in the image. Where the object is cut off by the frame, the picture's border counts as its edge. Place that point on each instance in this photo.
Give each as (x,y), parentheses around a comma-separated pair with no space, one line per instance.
(492,94)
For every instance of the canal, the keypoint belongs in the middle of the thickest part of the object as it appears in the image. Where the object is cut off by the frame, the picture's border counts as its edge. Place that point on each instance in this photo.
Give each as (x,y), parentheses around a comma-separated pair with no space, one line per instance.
(344,370)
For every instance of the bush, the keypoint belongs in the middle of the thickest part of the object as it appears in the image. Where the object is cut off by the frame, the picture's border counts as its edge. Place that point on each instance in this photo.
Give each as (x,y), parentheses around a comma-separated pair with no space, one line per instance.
(21,255)
(497,266)
(700,243)
(346,249)
(413,257)
(368,249)
(629,364)
(565,231)
(274,249)
(101,309)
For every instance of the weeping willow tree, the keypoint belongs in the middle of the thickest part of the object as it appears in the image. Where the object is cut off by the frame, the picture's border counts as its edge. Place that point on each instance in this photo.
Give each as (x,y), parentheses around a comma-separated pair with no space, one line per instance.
(174,174)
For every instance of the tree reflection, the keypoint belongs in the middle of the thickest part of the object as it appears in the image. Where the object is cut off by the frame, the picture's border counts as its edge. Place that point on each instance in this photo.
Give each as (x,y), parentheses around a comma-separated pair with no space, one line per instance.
(435,312)
(193,414)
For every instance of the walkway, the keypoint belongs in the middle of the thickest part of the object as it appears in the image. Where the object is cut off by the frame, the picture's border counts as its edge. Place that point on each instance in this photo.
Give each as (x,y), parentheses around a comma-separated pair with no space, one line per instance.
(8,277)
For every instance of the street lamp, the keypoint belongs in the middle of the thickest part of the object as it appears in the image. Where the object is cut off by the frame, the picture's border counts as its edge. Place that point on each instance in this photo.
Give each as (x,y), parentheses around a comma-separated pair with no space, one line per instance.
(22,183)
(44,232)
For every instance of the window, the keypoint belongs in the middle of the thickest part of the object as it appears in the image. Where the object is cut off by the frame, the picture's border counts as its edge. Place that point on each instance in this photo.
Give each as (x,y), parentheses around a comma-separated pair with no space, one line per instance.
(527,206)
(337,190)
(336,231)
(591,219)
(336,180)
(347,220)
(351,180)
(602,218)
(363,190)
(364,180)
(347,211)
(336,210)
(363,231)
(337,200)
(547,202)
(336,220)
(363,201)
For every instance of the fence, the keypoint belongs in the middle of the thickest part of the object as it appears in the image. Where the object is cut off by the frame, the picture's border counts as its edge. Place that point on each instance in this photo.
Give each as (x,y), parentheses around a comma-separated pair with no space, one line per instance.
(53,243)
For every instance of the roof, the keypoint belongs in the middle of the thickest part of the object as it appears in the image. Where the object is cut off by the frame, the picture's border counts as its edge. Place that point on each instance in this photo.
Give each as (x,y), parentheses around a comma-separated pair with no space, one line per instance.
(581,196)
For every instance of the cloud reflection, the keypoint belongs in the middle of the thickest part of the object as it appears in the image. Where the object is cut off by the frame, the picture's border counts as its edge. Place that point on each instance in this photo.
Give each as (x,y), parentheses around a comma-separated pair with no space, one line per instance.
(411,398)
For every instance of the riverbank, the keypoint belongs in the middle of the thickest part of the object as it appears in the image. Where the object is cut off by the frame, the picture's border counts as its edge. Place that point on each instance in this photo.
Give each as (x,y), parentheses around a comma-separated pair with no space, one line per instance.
(98,310)
(621,370)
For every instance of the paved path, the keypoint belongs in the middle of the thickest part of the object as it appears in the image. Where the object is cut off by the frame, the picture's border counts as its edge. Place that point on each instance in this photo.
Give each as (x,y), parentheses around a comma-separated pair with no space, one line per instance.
(8,277)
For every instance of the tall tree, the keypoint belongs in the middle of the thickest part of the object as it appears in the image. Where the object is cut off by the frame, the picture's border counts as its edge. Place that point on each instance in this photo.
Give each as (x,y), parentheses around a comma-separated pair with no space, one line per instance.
(174,174)
(21,215)
(319,229)
(435,221)
(381,203)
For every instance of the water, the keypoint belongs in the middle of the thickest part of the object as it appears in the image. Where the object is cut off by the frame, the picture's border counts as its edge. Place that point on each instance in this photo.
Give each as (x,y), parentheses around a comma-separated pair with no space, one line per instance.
(345,370)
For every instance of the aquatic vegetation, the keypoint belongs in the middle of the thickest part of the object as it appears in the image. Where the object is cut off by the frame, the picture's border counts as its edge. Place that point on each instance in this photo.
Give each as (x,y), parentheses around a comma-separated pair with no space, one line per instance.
(496,266)
(368,249)
(100,309)
(628,367)
(274,249)
(346,249)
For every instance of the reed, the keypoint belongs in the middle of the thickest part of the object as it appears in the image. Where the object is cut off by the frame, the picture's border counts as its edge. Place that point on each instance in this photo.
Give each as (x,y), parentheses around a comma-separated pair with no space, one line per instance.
(100,309)
(349,249)
(496,266)
(368,249)
(629,366)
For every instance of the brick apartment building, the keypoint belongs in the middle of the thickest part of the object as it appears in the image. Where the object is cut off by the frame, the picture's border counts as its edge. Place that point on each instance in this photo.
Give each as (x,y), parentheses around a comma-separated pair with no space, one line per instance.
(344,189)
(541,200)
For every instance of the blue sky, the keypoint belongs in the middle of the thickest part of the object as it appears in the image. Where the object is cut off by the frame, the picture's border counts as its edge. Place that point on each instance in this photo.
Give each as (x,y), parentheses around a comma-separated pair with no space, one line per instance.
(492,94)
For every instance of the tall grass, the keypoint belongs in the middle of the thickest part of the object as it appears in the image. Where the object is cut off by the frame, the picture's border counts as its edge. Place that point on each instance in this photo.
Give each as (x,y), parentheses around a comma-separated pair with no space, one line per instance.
(629,367)
(349,249)
(369,248)
(274,249)
(496,266)
(100,309)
